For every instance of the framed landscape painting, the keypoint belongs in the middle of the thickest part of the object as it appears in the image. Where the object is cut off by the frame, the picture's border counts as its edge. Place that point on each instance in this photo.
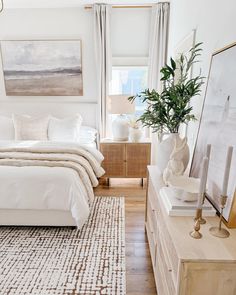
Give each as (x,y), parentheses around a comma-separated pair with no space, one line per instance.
(42,67)
(218,128)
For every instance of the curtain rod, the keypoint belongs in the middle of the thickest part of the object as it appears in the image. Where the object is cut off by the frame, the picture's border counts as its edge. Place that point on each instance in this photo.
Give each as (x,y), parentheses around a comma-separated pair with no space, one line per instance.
(130,6)
(122,6)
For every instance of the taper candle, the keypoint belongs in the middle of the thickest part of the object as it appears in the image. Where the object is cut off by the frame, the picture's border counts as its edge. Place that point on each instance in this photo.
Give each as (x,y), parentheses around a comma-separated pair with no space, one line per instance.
(208,151)
(203,179)
(208,154)
(227,170)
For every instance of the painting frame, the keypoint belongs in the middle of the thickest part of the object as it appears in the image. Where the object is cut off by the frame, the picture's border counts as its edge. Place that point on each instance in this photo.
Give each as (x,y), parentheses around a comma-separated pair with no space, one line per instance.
(62,90)
(229,216)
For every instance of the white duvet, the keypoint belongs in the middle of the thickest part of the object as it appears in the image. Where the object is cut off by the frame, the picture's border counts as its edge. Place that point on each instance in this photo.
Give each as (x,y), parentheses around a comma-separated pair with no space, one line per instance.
(49,175)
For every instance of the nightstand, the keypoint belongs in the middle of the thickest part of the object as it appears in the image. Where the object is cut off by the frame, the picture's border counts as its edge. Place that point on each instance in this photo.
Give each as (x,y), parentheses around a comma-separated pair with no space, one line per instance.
(125,159)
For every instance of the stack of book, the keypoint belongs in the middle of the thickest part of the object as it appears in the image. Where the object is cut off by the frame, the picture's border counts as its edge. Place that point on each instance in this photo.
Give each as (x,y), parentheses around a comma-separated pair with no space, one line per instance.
(175,207)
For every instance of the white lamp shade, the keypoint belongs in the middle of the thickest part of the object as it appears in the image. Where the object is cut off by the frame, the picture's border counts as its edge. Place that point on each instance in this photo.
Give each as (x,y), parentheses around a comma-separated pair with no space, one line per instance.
(119,104)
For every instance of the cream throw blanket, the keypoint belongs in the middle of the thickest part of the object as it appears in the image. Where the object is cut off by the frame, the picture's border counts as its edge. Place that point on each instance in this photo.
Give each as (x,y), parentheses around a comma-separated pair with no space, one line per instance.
(86,162)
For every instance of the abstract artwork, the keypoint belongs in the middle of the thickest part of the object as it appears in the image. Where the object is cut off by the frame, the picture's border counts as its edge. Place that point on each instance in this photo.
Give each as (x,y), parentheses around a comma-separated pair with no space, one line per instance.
(218,127)
(42,67)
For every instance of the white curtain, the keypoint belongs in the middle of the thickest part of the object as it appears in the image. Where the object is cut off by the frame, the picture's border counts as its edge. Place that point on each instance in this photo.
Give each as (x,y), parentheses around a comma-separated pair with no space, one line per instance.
(103,60)
(157,53)
(158,43)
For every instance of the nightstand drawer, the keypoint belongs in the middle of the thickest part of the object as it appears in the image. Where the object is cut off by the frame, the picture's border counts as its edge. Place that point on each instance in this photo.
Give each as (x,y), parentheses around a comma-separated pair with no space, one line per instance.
(114,159)
(138,158)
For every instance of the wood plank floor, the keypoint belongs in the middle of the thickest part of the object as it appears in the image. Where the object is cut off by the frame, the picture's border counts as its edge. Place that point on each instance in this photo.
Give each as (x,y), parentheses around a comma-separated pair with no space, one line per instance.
(139,275)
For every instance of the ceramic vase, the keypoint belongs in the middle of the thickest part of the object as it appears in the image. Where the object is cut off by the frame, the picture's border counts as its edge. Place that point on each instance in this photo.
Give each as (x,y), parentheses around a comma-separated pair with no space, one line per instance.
(135,134)
(168,144)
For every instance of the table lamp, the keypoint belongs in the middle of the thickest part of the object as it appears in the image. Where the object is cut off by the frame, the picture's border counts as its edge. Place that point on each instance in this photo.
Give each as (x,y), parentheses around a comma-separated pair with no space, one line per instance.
(119,105)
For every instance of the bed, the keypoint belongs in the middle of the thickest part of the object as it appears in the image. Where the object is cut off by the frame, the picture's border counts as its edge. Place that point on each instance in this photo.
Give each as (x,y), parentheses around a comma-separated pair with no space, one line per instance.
(48,182)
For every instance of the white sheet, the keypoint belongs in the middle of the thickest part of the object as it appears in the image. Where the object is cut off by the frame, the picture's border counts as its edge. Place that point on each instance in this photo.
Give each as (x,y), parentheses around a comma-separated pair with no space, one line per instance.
(43,188)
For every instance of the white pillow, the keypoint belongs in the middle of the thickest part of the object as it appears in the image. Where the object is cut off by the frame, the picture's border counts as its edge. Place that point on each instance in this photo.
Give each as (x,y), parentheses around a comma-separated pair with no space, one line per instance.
(7,131)
(66,129)
(28,128)
(87,135)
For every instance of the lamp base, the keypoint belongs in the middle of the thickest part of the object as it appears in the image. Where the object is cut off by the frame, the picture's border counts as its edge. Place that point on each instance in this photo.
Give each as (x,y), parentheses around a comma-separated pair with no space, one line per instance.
(120,128)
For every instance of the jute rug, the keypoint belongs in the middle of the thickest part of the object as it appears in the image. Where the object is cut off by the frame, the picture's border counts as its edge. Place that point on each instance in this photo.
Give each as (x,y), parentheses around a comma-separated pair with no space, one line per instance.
(63,261)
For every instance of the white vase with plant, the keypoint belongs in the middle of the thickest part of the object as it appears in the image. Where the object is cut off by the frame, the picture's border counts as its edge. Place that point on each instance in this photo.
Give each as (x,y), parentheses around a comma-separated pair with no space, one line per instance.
(168,109)
(135,132)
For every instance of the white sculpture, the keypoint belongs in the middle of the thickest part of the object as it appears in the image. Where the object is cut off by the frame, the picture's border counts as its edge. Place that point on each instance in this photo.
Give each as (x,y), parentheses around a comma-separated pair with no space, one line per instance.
(176,165)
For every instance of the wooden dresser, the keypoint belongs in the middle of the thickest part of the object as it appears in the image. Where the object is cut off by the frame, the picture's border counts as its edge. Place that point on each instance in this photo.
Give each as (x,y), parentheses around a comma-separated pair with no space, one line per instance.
(181,264)
(125,159)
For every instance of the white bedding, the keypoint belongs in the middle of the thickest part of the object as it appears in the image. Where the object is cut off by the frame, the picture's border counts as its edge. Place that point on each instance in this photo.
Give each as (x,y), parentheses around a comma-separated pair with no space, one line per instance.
(42,187)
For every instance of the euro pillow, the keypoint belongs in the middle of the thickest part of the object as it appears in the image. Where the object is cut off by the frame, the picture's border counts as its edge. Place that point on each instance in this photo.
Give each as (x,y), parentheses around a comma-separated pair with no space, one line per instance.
(66,129)
(31,128)
(7,131)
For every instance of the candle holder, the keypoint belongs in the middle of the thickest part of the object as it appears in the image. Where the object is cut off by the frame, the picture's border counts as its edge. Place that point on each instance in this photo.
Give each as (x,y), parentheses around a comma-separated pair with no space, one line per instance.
(195,233)
(199,217)
(218,231)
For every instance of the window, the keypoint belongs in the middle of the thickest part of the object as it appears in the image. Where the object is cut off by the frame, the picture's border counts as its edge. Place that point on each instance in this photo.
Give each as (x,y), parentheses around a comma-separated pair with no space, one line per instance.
(129,80)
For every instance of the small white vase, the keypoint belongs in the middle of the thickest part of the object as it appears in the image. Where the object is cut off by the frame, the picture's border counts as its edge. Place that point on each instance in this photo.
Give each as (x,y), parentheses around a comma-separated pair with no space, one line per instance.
(165,148)
(135,134)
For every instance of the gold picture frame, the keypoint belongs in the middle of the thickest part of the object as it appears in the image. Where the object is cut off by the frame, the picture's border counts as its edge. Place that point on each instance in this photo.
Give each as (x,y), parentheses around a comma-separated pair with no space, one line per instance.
(218,128)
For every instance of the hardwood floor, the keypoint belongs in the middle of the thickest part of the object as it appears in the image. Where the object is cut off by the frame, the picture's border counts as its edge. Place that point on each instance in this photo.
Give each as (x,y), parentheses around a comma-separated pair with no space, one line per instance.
(139,275)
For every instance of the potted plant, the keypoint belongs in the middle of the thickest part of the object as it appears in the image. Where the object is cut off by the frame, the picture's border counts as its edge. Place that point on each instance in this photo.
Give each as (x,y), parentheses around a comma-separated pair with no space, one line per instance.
(168,109)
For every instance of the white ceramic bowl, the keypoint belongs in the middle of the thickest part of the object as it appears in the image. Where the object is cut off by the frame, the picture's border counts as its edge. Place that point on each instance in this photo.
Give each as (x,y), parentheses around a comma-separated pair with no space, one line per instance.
(185,188)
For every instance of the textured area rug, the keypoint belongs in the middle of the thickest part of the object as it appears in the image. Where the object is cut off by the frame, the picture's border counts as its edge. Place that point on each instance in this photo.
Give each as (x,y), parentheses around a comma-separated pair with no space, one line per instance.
(63,261)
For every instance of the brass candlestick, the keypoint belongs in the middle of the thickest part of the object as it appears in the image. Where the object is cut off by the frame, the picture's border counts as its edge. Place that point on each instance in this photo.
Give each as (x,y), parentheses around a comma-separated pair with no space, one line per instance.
(195,233)
(198,215)
(218,231)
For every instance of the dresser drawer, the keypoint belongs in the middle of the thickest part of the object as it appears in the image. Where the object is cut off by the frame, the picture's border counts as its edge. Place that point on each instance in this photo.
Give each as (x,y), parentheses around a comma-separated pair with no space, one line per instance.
(151,216)
(167,243)
(152,196)
(165,285)
(151,242)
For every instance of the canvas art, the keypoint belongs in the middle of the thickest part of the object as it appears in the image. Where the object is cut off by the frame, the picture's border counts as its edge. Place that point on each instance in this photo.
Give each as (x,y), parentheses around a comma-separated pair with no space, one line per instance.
(45,68)
(218,126)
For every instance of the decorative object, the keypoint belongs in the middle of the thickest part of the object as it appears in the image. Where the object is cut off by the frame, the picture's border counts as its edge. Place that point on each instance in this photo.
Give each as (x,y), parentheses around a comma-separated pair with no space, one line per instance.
(42,67)
(176,207)
(178,159)
(195,233)
(172,144)
(218,128)
(183,265)
(125,159)
(61,260)
(185,188)
(168,109)
(119,105)
(219,231)
(135,133)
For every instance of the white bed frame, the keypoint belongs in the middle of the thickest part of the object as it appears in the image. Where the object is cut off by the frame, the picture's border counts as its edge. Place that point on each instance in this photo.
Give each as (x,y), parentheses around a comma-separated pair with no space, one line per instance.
(10,217)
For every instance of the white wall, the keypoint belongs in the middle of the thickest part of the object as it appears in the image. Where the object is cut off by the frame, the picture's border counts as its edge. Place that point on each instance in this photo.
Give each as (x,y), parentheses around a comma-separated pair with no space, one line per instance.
(215,23)
(129,35)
